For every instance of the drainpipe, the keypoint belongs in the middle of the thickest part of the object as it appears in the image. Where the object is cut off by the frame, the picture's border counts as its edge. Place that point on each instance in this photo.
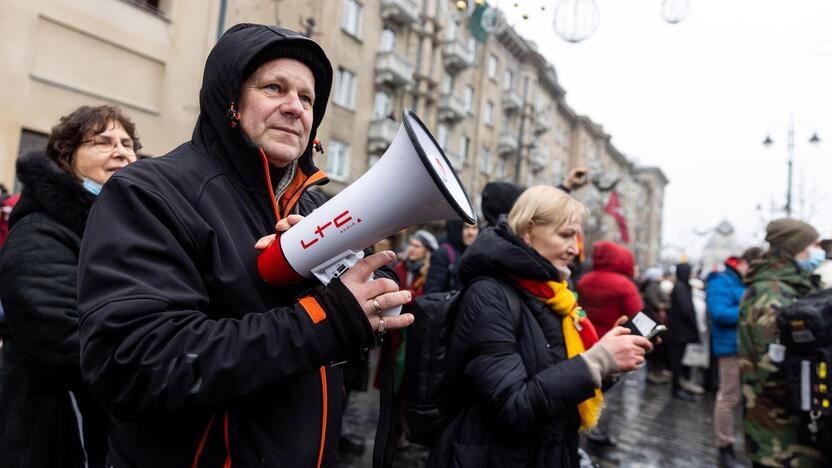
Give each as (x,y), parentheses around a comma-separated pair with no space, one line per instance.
(221,23)
(520,136)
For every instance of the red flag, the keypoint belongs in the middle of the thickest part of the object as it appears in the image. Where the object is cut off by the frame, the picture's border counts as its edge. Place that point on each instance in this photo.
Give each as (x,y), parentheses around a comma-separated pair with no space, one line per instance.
(615,210)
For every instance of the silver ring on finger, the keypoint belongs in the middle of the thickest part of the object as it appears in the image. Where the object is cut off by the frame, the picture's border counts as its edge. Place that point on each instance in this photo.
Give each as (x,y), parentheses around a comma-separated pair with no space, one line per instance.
(380,330)
(377,307)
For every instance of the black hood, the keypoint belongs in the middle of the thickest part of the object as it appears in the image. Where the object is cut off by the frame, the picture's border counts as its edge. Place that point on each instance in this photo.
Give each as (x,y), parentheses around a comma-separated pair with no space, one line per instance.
(683,271)
(47,188)
(226,68)
(497,252)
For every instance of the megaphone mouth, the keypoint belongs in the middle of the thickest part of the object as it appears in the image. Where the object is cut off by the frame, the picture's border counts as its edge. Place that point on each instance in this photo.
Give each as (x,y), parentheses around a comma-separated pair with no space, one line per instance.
(439,169)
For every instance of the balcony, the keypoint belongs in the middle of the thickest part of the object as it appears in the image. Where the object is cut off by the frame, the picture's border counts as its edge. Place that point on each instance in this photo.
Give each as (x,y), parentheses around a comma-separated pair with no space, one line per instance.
(456,159)
(537,159)
(394,69)
(542,123)
(512,101)
(452,107)
(381,134)
(507,144)
(403,12)
(457,56)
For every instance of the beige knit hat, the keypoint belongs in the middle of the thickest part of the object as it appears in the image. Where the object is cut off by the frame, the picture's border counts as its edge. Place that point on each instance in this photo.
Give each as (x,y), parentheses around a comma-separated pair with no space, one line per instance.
(790,235)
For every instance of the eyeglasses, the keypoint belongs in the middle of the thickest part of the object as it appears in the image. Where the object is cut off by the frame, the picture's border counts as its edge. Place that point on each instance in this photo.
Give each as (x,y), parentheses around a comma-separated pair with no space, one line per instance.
(104,145)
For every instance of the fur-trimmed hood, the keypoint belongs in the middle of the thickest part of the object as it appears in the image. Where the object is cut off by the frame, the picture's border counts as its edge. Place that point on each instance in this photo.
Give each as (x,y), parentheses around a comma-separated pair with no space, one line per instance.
(48,189)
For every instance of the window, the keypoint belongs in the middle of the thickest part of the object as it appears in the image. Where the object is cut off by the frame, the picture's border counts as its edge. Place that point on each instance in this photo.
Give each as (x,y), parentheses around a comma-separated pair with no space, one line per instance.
(472,47)
(464,143)
(452,30)
(501,168)
(351,18)
(447,83)
(488,115)
(442,136)
(157,7)
(506,122)
(485,160)
(388,40)
(381,106)
(345,88)
(469,99)
(508,79)
(492,67)
(338,160)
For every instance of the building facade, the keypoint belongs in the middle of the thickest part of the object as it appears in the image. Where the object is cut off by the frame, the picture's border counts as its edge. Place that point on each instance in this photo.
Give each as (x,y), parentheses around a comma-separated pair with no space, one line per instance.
(491,100)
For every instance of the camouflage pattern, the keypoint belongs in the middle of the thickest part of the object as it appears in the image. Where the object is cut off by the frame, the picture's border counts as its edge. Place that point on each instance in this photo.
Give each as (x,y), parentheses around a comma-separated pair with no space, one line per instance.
(771,432)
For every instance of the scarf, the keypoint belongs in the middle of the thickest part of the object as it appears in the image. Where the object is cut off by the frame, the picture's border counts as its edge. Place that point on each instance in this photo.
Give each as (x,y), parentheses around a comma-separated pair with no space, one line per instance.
(578,333)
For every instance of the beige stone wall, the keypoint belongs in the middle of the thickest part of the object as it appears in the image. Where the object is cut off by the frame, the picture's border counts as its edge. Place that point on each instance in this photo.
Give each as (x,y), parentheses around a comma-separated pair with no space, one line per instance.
(61,54)
(65,53)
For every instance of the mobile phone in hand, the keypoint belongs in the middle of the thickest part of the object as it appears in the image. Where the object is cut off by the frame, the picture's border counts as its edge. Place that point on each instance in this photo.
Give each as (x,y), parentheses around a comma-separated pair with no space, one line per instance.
(642,324)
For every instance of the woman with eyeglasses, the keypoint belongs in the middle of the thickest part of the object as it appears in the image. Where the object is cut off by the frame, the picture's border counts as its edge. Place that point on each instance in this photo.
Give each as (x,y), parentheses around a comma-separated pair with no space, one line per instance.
(47,417)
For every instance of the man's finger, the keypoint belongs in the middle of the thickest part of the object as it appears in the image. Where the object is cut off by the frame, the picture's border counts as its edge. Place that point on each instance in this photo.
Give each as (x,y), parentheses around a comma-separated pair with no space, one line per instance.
(399,321)
(381,286)
(264,242)
(361,270)
(287,222)
(393,299)
(621,321)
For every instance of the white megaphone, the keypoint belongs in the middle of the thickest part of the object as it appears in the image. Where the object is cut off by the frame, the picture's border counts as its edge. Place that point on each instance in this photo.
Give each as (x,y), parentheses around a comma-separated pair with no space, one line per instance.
(412,183)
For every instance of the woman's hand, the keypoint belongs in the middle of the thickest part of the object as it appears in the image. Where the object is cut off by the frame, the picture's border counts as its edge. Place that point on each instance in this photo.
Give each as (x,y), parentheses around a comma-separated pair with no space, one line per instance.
(627,350)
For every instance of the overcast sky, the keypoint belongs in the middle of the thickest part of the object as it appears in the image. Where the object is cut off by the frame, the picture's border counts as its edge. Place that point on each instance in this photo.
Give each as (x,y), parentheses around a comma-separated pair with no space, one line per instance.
(697,99)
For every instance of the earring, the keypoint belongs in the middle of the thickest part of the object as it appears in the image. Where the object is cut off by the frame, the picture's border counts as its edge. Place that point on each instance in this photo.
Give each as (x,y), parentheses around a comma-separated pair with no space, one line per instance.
(232,115)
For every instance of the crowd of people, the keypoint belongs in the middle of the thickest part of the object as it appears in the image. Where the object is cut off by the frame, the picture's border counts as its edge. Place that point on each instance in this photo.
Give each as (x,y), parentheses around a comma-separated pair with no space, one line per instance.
(138,332)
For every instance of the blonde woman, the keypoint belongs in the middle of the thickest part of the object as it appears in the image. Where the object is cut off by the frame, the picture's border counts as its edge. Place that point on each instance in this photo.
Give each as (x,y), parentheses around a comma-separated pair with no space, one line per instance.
(525,367)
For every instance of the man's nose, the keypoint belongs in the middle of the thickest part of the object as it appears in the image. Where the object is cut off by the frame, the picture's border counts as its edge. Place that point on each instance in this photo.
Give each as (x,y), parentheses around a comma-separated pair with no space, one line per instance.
(292,105)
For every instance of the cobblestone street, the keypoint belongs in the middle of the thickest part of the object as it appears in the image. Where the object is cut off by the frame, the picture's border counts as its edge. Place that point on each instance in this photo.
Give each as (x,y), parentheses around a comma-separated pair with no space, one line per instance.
(657,431)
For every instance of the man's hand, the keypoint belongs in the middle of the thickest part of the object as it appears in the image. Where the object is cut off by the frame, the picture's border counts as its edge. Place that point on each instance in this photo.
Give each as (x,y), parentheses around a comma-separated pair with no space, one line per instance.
(576,178)
(385,292)
(382,291)
(281,226)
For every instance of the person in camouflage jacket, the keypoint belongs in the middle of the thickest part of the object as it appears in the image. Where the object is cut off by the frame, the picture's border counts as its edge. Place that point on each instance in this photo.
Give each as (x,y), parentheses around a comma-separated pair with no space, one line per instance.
(774,282)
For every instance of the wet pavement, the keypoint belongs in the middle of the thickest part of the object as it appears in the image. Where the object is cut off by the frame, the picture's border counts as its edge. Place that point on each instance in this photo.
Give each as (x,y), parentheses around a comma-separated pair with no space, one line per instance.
(654,431)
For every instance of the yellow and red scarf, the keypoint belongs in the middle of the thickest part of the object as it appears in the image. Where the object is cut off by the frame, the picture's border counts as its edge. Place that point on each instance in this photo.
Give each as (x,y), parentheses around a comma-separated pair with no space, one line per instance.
(578,333)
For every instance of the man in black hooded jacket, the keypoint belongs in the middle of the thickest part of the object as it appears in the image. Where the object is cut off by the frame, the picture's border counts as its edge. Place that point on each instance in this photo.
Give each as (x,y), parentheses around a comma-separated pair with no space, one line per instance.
(198,361)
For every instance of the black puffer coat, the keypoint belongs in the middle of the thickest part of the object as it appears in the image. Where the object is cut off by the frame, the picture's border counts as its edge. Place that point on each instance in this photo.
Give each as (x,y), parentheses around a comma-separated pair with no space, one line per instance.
(520,394)
(682,316)
(177,327)
(42,400)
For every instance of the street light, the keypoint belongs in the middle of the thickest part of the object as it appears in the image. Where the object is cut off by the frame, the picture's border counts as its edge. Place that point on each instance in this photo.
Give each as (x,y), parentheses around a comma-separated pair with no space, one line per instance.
(815,139)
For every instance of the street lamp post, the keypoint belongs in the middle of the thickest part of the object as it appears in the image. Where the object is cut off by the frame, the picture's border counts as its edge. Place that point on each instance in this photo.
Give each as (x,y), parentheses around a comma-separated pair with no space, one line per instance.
(790,149)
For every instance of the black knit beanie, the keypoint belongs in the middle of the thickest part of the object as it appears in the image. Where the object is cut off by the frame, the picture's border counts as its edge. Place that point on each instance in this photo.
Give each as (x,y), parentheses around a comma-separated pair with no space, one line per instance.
(790,235)
(498,198)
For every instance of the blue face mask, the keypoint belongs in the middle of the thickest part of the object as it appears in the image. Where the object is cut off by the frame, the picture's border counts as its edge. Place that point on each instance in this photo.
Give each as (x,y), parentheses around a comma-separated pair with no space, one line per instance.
(92,186)
(816,257)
